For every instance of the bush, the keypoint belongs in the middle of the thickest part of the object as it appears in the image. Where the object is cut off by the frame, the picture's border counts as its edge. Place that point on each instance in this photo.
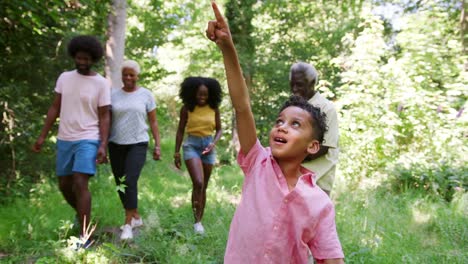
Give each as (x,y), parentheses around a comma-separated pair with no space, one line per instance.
(435,179)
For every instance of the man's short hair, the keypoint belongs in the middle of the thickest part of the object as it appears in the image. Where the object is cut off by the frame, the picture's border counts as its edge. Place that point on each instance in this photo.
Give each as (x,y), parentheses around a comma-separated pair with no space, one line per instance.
(308,70)
(87,44)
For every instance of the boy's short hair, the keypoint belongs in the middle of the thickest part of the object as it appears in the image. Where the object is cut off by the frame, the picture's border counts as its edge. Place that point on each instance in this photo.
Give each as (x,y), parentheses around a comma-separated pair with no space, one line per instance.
(318,118)
(88,44)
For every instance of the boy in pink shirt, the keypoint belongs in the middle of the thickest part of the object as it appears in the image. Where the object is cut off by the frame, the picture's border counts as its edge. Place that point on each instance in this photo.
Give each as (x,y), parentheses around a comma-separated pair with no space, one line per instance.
(282,213)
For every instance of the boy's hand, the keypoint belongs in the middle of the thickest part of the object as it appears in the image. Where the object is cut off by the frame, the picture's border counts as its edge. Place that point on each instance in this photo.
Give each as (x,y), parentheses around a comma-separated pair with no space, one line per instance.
(218,30)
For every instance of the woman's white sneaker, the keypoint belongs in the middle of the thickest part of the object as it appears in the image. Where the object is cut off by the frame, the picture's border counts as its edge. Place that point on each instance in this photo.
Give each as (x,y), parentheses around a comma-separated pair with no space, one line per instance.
(127,232)
(134,223)
(137,222)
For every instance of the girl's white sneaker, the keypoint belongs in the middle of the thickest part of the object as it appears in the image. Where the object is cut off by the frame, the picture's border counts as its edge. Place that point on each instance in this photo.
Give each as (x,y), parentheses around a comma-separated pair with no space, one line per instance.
(198,228)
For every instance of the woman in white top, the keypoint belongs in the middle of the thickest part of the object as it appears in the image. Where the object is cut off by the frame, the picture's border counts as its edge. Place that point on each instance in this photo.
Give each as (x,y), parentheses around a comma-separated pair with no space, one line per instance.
(132,107)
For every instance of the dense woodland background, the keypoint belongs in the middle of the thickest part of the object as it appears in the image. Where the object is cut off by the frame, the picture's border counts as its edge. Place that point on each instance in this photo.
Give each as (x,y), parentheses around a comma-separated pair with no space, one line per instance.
(396,70)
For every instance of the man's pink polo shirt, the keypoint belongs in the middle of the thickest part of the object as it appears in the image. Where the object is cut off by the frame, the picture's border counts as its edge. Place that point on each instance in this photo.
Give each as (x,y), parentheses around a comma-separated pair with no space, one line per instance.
(82,95)
(274,225)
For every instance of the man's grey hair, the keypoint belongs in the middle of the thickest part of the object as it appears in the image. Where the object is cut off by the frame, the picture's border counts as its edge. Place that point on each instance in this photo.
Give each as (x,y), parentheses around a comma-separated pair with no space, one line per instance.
(307,69)
(131,64)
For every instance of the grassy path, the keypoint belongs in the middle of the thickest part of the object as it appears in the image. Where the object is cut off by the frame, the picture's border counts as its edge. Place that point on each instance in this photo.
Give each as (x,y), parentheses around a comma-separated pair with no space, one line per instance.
(375,226)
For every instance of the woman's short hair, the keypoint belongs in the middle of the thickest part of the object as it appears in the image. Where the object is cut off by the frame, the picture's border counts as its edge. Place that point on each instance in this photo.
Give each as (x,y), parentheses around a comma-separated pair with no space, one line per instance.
(307,69)
(131,64)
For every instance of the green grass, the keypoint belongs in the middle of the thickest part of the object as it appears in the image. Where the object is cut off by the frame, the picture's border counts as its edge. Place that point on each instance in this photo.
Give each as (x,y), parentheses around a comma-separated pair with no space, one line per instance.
(375,226)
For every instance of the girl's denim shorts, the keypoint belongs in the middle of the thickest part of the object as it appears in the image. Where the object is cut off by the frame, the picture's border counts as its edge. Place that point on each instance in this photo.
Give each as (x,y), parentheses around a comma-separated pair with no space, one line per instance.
(193,147)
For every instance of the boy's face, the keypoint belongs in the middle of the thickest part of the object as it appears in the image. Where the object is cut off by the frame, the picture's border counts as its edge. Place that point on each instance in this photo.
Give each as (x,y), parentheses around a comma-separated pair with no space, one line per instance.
(300,86)
(83,62)
(292,135)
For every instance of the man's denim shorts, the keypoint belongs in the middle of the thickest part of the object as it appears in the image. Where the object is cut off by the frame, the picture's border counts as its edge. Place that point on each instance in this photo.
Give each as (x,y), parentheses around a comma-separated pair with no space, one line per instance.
(76,156)
(193,147)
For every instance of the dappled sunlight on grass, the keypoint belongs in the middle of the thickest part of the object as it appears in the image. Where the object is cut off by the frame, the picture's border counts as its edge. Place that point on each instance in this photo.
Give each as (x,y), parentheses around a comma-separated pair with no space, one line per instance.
(420,217)
(375,225)
(180,200)
(222,195)
(421,212)
(378,226)
(152,221)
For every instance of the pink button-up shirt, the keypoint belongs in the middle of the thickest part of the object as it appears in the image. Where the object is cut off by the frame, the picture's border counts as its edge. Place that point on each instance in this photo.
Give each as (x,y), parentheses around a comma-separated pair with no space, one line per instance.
(275,225)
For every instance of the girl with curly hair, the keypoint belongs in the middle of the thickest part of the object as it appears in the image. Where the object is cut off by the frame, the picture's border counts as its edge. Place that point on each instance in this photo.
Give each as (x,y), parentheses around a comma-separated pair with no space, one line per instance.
(199,117)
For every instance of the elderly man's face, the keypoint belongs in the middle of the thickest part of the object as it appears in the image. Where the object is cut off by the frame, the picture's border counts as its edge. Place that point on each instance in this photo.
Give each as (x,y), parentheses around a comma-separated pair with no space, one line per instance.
(299,85)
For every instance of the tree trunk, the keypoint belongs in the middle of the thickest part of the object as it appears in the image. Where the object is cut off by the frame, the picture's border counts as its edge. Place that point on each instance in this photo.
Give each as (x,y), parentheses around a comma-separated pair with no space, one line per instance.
(115,45)
(464,31)
(7,126)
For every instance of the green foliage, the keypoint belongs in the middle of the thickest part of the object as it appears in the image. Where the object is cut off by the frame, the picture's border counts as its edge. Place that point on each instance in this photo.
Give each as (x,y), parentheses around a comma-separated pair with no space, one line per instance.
(440,180)
(42,232)
(239,14)
(401,109)
(33,35)
(121,187)
(400,93)
(409,227)
(289,31)
(380,227)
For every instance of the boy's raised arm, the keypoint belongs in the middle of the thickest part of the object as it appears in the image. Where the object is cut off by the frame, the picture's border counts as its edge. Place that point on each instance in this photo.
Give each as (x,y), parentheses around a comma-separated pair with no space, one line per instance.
(218,32)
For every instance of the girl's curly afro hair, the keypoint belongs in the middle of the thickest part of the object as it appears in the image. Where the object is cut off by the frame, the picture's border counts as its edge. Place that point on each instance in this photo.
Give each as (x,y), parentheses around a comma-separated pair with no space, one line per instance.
(88,44)
(189,87)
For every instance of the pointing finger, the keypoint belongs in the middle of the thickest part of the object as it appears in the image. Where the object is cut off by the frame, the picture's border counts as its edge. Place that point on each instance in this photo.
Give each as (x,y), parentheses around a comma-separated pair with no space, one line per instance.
(219,17)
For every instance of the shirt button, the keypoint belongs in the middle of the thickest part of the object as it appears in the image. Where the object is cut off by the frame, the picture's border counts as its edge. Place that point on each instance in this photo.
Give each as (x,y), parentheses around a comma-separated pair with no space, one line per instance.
(266,255)
(285,200)
(275,227)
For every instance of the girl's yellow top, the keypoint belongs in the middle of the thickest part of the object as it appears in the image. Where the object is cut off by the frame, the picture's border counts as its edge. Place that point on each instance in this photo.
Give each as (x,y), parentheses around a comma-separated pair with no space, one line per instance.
(201,122)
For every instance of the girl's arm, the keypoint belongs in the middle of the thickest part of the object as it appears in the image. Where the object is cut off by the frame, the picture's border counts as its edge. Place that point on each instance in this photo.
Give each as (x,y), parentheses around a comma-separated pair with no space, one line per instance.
(153,122)
(180,135)
(219,131)
(218,32)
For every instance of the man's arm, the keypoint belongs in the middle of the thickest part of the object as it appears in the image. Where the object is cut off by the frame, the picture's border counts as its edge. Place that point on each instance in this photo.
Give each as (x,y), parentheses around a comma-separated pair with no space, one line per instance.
(104,124)
(52,114)
(218,32)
